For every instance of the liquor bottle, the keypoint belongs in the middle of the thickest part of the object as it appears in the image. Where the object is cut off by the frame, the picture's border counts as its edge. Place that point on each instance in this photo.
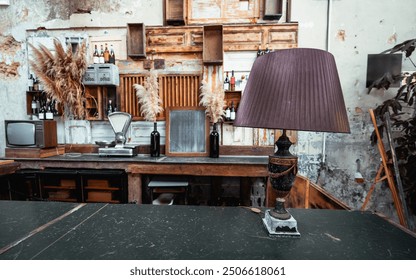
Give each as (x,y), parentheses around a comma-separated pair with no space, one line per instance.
(214,142)
(155,141)
(96,55)
(226,82)
(232,81)
(106,54)
(30,82)
(110,107)
(101,57)
(227,113)
(35,84)
(112,55)
(42,111)
(49,114)
(34,107)
(232,112)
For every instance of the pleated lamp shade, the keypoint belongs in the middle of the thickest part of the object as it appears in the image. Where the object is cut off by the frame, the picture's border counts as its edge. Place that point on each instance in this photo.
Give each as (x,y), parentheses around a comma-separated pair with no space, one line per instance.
(294,89)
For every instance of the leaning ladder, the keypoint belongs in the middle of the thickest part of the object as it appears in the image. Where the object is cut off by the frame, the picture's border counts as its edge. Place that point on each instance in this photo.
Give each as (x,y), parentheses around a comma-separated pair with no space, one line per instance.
(398,195)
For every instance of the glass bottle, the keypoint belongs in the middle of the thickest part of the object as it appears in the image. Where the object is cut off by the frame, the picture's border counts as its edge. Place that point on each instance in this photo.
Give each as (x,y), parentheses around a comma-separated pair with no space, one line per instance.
(112,55)
(227,113)
(232,111)
(101,57)
(232,81)
(155,141)
(226,82)
(214,142)
(106,54)
(95,55)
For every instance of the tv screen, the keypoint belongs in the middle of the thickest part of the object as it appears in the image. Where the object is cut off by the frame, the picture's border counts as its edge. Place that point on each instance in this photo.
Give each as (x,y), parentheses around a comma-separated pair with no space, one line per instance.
(20,133)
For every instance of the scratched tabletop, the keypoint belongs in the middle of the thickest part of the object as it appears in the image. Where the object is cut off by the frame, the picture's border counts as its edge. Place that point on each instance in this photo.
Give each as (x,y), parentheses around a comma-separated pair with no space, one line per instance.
(64,231)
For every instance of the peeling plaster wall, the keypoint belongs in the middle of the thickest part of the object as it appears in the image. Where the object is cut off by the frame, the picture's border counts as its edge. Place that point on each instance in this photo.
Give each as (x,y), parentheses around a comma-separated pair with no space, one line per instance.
(349,29)
(355,29)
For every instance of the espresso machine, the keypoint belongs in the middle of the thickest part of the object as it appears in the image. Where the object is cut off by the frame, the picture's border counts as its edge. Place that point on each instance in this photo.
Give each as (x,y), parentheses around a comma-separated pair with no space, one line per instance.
(120,122)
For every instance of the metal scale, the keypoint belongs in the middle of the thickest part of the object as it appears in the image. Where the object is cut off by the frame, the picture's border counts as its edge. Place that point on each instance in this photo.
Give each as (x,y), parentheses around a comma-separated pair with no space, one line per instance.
(120,122)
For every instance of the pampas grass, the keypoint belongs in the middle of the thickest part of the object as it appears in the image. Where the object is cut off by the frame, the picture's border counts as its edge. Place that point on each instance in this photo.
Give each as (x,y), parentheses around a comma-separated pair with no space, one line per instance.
(148,97)
(61,74)
(213,101)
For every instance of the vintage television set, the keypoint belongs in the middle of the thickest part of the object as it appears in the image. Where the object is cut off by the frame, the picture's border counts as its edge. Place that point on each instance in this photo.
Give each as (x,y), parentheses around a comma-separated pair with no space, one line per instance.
(30,133)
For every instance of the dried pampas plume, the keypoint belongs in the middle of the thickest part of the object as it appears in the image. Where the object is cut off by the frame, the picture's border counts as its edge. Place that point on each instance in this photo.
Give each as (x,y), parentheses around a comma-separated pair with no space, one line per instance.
(213,101)
(148,97)
(61,74)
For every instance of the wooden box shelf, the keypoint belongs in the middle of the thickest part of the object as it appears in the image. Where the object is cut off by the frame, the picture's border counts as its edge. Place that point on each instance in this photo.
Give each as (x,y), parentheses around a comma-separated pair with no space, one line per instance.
(213,51)
(174,12)
(273,9)
(136,40)
(232,96)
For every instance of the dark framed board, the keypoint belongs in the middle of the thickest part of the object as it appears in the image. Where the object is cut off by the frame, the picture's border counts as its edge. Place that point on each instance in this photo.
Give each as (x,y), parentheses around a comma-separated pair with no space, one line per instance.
(187,131)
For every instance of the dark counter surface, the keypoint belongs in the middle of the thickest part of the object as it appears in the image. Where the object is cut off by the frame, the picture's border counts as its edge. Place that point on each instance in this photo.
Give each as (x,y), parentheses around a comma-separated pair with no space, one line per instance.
(78,157)
(126,231)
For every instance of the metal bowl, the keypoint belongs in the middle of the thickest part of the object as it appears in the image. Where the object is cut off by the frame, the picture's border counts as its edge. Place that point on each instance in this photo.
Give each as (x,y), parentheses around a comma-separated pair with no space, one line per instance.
(105,144)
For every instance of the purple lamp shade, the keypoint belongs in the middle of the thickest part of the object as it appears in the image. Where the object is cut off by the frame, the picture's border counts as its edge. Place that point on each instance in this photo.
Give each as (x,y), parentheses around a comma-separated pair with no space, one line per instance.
(294,89)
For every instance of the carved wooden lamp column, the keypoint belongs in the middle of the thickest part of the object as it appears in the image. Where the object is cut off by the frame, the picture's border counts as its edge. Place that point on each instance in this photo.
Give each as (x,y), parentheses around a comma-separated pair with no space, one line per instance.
(296,89)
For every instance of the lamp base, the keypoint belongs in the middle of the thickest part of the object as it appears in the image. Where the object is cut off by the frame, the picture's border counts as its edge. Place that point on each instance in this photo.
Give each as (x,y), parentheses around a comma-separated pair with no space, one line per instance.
(277,227)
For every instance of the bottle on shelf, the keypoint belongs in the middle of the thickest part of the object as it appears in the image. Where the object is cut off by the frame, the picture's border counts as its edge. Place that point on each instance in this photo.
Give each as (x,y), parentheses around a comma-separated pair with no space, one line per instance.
(42,111)
(30,82)
(227,113)
(226,82)
(34,108)
(96,55)
(48,113)
(232,81)
(110,108)
(214,143)
(112,55)
(106,54)
(101,56)
(232,111)
(35,84)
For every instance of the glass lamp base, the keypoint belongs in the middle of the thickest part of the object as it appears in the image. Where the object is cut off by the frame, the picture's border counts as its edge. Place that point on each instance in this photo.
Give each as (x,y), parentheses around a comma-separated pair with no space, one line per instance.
(277,227)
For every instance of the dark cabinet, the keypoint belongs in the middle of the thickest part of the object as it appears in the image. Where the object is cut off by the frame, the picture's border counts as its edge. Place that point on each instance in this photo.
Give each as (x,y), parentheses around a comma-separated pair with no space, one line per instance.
(69,185)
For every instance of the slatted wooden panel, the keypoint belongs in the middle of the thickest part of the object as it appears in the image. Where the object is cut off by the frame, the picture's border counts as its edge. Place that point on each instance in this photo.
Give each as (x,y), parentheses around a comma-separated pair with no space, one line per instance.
(174,90)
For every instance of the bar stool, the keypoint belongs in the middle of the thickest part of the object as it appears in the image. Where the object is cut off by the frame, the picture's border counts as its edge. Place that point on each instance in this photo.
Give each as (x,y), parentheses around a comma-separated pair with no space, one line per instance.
(167,184)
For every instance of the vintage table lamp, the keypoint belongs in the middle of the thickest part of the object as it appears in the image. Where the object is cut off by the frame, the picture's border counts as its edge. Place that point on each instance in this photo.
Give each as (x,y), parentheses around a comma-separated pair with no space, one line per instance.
(295,89)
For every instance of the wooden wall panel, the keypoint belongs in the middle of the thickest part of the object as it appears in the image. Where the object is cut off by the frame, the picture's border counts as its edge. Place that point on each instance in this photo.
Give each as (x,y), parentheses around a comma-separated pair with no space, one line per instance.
(175,90)
(239,37)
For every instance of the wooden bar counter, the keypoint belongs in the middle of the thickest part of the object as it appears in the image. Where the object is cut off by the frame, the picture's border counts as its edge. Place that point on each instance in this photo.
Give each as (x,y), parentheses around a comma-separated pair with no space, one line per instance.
(224,166)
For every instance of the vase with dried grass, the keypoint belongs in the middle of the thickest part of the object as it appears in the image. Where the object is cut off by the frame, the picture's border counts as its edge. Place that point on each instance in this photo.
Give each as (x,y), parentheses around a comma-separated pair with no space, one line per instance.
(61,74)
(150,102)
(213,101)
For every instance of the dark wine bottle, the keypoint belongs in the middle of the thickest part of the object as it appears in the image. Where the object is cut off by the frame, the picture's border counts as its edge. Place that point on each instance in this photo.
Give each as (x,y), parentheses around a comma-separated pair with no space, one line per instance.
(214,142)
(155,142)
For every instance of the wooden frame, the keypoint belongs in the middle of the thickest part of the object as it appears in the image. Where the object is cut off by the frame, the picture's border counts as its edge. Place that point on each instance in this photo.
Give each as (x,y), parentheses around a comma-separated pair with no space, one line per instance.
(193,120)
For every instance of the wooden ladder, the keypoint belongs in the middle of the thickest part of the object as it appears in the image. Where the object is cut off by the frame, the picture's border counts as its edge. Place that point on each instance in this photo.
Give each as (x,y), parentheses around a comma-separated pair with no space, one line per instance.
(398,199)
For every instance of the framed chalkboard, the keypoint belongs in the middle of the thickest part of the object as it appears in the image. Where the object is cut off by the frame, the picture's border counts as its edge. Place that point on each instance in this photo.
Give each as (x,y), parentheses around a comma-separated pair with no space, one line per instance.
(187,131)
